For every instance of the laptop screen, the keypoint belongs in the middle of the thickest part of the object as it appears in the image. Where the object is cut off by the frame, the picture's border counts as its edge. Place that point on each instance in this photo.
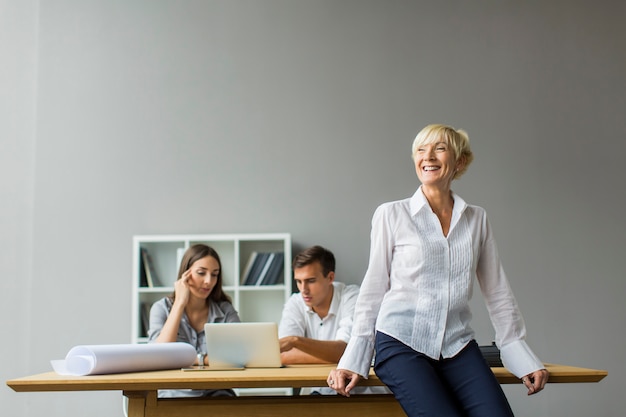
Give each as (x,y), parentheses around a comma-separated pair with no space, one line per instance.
(249,345)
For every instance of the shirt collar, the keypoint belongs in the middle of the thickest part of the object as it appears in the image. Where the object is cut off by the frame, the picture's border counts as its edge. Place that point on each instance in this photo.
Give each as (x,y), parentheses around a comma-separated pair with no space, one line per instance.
(419,202)
(334,304)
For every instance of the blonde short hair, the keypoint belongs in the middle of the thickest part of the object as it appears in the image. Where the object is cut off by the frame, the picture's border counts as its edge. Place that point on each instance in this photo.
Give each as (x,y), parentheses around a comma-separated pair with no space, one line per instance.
(457,139)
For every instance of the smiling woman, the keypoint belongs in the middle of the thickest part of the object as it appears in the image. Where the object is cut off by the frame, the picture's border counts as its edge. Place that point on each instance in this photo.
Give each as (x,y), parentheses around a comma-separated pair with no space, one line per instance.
(441,154)
(444,140)
(198,298)
(413,307)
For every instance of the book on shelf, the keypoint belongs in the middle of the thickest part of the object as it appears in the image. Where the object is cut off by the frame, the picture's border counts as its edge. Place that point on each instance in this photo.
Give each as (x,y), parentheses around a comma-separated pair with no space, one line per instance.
(143,277)
(266,267)
(275,271)
(152,279)
(257,267)
(263,268)
(248,268)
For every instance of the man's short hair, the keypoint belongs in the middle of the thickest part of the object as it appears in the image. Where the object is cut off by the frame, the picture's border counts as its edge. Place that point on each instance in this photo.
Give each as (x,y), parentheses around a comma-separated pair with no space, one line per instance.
(315,254)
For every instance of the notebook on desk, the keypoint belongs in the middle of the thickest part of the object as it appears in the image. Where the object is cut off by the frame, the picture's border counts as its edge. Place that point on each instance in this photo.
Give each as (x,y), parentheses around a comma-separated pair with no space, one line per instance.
(237,345)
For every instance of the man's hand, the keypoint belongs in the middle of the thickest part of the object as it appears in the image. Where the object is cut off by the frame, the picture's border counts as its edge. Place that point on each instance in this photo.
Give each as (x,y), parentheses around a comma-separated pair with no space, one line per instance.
(287,343)
(298,349)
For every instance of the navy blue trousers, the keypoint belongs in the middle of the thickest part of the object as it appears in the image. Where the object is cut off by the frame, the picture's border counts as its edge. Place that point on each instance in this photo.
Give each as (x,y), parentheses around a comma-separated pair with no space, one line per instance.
(462,386)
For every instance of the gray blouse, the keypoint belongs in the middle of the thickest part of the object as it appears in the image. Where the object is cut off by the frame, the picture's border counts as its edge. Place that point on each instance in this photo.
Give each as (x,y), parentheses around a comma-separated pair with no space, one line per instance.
(222,312)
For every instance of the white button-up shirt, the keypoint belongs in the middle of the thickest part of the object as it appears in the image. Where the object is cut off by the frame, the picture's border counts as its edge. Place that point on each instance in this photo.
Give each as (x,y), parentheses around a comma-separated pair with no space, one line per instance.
(419,282)
(298,319)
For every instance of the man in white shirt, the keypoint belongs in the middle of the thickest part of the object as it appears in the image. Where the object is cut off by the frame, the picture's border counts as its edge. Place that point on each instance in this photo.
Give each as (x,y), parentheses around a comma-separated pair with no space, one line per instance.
(316,322)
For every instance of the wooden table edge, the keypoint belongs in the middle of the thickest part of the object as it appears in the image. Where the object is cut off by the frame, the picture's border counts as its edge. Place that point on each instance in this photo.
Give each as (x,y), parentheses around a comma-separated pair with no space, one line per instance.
(50,381)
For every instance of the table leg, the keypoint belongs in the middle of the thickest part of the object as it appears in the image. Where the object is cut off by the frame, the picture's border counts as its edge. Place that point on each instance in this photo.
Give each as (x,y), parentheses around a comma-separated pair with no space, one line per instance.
(138,400)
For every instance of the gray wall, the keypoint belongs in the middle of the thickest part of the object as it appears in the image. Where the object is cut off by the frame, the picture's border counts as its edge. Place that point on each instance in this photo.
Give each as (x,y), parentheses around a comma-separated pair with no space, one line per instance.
(149,117)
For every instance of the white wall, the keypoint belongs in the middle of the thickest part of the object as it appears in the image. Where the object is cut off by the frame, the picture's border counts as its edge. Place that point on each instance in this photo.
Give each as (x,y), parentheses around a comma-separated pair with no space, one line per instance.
(18,55)
(139,117)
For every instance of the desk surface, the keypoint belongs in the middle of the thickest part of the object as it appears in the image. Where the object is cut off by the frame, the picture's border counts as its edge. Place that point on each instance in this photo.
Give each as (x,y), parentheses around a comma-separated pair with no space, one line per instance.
(290,376)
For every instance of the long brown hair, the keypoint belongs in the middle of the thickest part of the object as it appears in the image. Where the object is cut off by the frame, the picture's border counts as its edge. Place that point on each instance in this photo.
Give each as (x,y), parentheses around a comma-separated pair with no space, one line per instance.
(199,251)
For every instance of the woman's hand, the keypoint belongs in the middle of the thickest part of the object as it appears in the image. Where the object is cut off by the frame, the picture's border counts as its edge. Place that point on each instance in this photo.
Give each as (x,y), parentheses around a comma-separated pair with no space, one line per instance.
(169,331)
(181,288)
(536,381)
(342,381)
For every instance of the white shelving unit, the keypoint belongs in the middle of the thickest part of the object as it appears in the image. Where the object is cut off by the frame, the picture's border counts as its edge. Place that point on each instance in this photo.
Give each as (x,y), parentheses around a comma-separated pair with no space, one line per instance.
(255,303)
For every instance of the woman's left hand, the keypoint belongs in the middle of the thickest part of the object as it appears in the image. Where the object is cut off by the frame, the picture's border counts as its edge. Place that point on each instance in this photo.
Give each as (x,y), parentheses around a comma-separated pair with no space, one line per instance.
(536,381)
(342,381)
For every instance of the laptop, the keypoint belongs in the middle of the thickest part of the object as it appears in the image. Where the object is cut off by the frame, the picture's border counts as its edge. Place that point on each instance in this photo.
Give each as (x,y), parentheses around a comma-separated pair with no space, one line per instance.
(242,345)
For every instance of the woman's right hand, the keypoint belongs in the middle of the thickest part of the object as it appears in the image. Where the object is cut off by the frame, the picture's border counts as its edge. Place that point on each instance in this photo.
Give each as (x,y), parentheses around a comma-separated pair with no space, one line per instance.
(169,330)
(343,381)
(181,288)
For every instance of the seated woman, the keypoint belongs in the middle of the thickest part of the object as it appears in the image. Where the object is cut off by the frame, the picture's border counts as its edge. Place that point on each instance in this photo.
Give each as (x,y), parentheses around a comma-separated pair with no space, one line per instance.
(197,299)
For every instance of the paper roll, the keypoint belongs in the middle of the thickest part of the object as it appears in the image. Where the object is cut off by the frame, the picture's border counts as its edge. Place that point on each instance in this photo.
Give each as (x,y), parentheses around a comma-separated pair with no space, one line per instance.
(111,359)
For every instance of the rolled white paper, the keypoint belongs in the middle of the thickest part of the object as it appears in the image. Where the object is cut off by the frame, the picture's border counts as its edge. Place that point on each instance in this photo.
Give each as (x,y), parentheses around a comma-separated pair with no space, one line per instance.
(112,359)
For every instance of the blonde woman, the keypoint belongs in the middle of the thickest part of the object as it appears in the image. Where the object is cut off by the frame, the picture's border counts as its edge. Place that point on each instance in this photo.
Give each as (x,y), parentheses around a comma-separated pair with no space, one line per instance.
(413,306)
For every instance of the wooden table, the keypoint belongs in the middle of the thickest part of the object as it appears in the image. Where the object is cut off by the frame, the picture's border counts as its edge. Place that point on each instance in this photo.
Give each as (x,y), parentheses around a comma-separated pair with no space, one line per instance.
(141,390)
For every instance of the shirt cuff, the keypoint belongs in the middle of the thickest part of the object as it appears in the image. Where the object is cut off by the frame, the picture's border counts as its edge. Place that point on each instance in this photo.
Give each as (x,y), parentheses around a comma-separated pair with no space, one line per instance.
(519,359)
(358,356)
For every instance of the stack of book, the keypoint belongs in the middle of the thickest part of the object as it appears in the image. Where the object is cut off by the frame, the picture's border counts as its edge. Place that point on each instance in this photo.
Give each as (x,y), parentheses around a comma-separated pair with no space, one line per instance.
(264,268)
(491,353)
